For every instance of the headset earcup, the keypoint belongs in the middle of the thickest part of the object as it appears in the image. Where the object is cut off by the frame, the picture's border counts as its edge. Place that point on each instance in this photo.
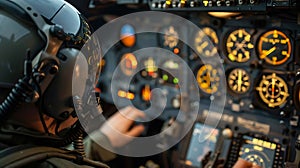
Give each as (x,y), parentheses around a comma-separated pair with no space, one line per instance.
(58,98)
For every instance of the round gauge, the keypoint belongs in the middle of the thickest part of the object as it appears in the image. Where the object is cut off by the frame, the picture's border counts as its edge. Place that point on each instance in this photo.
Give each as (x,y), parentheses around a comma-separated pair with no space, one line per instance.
(208,79)
(239,81)
(274,47)
(239,46)
(170,38)
(150,69)
(273,90)
(206,41)
(128,64)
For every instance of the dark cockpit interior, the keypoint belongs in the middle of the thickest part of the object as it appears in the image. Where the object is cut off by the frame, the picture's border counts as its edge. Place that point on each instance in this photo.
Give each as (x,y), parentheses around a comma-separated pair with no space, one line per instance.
(224,72)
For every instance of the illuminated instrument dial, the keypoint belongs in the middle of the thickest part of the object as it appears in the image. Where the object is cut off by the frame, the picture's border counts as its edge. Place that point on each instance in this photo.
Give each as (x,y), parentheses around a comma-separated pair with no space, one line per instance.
(170,37)
(208,79)
(206,42)
(239,81)
(239,46)
(273,90)
(259,152)
(274,47)
(150,69)
(128,64)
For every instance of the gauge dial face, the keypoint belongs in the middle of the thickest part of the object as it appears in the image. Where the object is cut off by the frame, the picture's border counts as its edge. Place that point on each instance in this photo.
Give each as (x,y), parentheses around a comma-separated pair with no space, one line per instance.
(239,46)
(273,90)
(239,81)
(170,38)
(208,79)
(274,47)
(206,41)
(128,64)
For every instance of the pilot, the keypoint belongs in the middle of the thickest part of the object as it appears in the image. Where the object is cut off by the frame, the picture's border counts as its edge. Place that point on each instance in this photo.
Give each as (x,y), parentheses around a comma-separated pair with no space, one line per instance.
(40,41)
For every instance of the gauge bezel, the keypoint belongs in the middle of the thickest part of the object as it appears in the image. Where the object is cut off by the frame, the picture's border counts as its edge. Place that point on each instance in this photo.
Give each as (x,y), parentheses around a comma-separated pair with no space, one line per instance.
(287,33)
(234,93)
(162,40)
(126,71)
(216,44)
(260,104)
(226,35)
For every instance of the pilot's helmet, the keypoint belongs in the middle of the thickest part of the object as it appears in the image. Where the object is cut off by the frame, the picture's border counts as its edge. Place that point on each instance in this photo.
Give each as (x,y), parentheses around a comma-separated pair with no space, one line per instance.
(40,42)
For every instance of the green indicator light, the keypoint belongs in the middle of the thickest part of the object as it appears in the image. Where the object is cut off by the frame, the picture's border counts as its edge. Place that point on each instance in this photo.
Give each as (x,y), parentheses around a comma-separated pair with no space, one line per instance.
(165,77)
(175,80)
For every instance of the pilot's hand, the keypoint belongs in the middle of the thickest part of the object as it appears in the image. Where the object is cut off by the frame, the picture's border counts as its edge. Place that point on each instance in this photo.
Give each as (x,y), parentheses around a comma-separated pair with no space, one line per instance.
(118,127)
(241,163)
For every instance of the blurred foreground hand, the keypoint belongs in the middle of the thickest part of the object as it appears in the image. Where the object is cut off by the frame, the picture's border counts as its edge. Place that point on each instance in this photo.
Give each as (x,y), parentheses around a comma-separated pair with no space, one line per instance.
(241,163)
(119,128)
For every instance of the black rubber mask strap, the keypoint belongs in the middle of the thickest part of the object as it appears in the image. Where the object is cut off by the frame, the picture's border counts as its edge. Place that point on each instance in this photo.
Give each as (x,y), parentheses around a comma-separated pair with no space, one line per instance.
(43,120)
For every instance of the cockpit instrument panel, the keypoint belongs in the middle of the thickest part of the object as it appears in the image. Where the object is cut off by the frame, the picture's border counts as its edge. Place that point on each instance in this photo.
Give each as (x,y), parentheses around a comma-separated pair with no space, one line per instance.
(260,59)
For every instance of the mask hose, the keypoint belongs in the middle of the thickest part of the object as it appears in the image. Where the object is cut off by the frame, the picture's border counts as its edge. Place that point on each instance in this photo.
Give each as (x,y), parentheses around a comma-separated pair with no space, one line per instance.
(23,91)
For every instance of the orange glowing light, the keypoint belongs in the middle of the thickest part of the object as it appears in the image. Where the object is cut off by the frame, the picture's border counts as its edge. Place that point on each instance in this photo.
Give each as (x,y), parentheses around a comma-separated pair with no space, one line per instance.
(121,93)
(176,51)
(124,94)
(130,96)
(128,40)
(146,93)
